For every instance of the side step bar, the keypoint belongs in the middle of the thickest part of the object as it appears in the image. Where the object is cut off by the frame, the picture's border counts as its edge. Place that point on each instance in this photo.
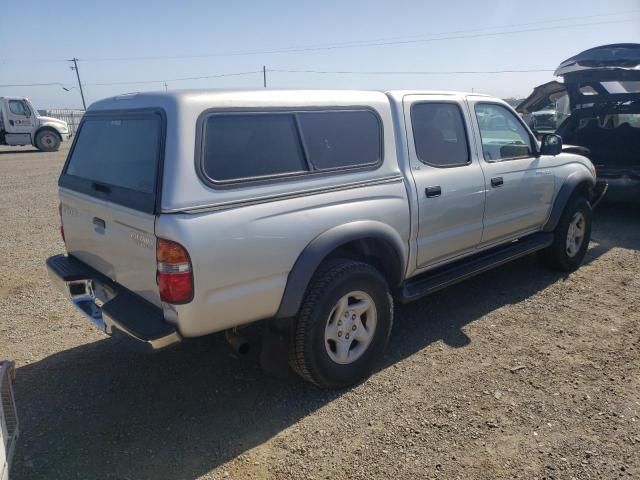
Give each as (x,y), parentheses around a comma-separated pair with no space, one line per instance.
(433,281)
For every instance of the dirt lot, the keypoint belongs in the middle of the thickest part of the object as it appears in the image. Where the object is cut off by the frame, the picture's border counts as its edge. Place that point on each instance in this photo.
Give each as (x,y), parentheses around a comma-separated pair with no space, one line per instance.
(518,373)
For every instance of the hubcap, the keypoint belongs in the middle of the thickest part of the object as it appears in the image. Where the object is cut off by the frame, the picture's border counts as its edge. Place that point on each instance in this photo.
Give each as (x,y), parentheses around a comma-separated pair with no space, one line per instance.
(575,234)
(350,327)
(47,139)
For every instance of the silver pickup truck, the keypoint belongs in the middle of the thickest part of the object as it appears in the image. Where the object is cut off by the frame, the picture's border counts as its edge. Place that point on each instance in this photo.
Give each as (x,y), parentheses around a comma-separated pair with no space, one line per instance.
(189,213)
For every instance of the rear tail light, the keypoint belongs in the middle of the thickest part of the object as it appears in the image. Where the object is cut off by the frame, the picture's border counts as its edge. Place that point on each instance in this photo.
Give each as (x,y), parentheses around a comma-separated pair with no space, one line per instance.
(174,274)
(61,225)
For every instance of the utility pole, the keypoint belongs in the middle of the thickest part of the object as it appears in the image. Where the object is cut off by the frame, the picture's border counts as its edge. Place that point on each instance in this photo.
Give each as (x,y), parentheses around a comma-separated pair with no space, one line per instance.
(166,86)
(264,76)
(75,67)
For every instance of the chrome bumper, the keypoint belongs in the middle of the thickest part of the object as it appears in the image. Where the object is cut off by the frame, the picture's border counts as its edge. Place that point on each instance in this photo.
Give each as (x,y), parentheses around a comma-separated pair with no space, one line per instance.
(108,305)
(9,428)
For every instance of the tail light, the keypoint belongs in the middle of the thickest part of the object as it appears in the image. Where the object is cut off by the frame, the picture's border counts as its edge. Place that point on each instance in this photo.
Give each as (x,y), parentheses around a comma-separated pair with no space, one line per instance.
(61,225)
(174,274)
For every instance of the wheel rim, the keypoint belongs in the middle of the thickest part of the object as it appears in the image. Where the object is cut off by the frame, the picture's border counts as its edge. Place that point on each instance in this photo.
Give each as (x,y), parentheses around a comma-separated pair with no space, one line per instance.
(350,327)
(48,140)
(575,234)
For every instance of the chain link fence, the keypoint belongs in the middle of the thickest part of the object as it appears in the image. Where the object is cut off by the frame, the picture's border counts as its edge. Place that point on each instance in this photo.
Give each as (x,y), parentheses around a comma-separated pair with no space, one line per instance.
(72,117)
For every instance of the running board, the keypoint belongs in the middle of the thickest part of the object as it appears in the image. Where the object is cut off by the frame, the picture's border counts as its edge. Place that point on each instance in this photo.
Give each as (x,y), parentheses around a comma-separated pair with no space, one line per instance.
(430,282)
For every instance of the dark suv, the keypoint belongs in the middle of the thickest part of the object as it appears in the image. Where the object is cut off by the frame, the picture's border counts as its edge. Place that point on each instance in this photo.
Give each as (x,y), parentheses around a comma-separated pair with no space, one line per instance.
(603,88)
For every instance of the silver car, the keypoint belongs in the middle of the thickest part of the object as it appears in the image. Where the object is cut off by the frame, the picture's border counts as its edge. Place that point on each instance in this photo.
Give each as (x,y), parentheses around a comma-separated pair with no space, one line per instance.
(189,213)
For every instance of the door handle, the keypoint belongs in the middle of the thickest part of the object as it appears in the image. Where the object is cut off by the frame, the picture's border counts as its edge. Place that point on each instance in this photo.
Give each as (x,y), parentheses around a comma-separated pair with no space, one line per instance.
(433,191)
(98,222)
(497,182)
(98,187)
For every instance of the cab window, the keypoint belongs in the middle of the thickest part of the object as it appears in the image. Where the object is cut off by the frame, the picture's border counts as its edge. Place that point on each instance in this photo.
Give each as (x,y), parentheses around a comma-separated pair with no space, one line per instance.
(17,107)
(503,135)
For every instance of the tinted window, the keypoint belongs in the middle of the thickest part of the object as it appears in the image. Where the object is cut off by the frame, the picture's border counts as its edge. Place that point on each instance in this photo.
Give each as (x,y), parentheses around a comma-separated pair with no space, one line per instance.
(121,152)
(244,146)
(503,135)
(341,139)
(439,134)
(17,107)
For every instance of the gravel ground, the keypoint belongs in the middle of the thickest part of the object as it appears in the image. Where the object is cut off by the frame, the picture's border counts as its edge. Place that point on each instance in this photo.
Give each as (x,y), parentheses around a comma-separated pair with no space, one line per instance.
(518,373)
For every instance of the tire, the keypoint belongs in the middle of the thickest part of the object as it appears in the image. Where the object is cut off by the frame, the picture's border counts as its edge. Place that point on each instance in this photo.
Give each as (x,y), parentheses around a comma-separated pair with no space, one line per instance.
(322,360)
(560,256)
(47,141)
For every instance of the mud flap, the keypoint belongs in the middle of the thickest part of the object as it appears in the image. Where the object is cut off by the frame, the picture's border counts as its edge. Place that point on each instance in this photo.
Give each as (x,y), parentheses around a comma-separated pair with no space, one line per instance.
(274,354)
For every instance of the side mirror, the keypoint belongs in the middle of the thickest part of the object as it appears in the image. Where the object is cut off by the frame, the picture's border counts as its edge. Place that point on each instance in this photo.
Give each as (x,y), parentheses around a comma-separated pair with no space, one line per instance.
(551,144)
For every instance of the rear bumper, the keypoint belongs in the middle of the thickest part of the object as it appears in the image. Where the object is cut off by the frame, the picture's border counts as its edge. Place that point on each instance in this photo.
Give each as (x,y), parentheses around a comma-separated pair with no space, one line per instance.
(108,305)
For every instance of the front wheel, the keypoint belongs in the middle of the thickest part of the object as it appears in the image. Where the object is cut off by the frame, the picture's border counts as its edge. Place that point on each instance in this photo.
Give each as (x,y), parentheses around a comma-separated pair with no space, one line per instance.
(570,238)
(343,326)
(47,141)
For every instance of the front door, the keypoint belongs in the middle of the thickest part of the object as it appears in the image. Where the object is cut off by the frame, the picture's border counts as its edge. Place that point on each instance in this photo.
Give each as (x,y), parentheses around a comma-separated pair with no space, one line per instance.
(447,175)
(519,183)
(20,118)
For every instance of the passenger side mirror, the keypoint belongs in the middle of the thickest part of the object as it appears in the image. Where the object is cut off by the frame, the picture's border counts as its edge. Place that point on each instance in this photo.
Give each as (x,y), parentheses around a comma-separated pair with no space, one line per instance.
(551,144)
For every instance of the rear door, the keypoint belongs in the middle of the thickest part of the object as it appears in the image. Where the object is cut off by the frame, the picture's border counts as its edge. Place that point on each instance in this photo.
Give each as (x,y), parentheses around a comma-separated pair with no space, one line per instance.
(448,178)
(109,191)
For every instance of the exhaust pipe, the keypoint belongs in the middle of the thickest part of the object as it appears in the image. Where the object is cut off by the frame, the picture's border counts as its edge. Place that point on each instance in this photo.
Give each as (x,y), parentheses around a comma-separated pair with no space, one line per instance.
(238,343)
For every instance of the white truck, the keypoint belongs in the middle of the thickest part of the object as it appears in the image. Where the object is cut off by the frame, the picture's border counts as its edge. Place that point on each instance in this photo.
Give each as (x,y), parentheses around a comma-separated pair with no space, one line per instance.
(20,124)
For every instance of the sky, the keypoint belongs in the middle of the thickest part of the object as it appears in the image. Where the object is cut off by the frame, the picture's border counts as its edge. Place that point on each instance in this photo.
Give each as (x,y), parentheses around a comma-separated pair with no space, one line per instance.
(120,41)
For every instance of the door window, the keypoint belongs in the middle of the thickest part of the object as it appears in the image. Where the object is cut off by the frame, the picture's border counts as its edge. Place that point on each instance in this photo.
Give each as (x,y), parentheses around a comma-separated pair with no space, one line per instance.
(17,108)
(503,135)
(439,134)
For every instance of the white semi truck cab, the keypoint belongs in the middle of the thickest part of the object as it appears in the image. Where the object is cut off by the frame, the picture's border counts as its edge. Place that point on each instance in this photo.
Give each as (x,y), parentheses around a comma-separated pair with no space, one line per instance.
(20,124)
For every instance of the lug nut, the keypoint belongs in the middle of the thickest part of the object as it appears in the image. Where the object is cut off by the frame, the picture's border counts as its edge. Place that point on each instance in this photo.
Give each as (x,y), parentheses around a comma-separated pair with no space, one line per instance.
(353,317)
(347,336)
(339,334)
(339,323)
(353,327)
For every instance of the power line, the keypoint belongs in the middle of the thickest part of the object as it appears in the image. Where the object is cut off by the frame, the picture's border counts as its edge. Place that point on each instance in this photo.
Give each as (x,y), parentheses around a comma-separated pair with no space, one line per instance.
(265,70)
(359,45)
(433,72)
(59,84)
(544,22)
(181,79)
(135,82)
(385,41)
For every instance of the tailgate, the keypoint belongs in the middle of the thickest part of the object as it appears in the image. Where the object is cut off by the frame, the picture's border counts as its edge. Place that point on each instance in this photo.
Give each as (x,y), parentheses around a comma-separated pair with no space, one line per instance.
(108,194)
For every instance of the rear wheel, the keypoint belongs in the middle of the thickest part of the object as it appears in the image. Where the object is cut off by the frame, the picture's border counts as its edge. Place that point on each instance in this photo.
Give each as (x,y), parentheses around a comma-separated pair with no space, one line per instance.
(570,238)
(343,326)
(47,141)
